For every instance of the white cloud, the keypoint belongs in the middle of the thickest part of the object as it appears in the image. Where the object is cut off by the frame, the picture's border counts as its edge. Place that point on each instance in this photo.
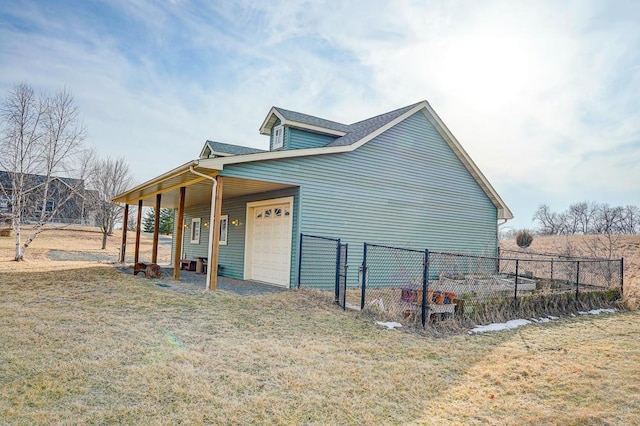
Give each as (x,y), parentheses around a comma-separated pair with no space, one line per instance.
(542,95)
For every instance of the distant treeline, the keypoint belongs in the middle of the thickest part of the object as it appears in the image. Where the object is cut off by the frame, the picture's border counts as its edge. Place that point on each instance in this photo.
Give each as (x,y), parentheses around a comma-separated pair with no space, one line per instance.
(588,218)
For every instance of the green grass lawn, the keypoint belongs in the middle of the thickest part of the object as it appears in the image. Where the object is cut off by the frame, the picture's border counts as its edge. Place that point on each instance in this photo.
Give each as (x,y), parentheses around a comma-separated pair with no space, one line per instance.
(96,346)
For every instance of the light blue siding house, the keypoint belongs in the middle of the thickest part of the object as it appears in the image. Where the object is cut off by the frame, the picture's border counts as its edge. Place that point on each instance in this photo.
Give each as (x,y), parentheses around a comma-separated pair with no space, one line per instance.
(400,178)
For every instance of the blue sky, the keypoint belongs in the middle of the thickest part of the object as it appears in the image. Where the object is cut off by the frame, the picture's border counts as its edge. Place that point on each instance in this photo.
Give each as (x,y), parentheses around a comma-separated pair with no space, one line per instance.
(542,94)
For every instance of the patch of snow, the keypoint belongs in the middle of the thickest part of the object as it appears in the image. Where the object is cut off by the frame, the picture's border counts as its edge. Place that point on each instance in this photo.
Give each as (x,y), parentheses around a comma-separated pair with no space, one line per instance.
(597,312)
(520,322)
(500,326)
(389,324)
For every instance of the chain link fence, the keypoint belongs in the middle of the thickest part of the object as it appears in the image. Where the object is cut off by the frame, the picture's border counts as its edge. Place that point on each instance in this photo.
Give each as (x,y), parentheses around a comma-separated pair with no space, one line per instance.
(415,287)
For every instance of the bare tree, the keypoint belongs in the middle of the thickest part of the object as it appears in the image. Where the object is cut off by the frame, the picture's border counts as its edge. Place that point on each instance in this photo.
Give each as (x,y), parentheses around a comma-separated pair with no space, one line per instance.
(608,219)
(631,220)
(41,140)
(109,177)
(550,222)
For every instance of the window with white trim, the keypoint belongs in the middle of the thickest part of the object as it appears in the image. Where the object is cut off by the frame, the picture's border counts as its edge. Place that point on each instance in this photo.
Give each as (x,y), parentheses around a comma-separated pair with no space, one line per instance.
(195,230)
(278,137)
(224,229)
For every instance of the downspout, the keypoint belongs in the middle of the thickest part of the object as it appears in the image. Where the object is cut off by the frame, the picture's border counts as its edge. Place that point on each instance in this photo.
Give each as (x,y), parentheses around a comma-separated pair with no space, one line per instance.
(211,222)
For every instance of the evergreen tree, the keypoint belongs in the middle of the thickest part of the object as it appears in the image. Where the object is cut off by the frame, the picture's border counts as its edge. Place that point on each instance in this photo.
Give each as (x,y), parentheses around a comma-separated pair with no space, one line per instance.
(148,220)
(166,221)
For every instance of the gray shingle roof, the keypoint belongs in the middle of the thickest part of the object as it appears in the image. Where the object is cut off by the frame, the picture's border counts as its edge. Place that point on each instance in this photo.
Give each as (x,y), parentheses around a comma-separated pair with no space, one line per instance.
(232,149)
(314,121)
(363,128)
(354,132)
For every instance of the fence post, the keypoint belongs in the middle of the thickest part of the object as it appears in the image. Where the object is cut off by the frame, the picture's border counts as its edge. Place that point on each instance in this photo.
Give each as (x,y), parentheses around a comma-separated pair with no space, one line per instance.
(300,259)
(515,291)
(622,277)
(577,279)
(425,286)
(364,275)
(337,287)
(551,269)
(344,294)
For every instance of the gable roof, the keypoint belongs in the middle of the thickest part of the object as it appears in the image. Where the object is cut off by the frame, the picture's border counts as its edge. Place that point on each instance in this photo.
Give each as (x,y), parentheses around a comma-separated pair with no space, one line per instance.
(359,130)
(349,138)
(220,149)
(302,121)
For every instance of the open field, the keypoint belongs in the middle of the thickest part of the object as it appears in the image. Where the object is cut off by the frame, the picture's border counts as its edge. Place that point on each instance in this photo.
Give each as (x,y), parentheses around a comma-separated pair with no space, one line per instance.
(81,342)
(627,246)
(84,343)
(94,345)
(82,240)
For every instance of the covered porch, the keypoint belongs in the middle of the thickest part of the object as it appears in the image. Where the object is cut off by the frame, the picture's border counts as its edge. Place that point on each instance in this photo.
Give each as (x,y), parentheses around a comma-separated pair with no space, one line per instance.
(192,186)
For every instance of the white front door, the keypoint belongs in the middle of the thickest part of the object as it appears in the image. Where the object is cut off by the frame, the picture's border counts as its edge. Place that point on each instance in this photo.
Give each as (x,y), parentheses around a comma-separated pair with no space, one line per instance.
(268,251)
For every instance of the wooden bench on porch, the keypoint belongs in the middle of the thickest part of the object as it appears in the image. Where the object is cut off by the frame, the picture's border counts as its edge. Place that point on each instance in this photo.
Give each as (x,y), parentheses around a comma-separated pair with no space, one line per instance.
(188,265)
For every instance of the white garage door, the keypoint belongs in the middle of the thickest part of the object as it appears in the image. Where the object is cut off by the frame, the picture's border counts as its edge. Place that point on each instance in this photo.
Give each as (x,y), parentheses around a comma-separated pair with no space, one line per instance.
(270,242)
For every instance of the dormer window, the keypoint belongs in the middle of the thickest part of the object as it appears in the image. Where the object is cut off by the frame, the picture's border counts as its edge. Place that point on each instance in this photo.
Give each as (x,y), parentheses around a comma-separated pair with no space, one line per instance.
(278,137)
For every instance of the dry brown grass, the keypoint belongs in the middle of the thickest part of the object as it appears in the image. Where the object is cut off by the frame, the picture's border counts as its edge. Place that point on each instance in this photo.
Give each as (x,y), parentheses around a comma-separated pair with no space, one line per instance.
(75,239)
(627,246)
(93,345)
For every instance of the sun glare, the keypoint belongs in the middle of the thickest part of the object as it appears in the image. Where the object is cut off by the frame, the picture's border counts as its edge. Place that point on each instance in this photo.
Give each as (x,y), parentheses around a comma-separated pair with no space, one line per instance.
(488,68)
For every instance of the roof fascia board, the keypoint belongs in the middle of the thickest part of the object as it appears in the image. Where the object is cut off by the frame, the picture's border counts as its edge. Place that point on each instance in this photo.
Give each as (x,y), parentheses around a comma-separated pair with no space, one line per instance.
(470,165)
(317,129)
(221,154)
(121,198)
(204,148)
(265,123)
(220,162)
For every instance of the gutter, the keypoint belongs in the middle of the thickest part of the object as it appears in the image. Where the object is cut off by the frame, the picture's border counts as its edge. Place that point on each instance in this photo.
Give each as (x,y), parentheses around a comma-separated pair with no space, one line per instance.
(212,215)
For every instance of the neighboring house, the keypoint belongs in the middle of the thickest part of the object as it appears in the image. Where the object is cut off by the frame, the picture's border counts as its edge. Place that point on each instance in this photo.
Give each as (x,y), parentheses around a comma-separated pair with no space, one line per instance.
(67,199)
(399,178)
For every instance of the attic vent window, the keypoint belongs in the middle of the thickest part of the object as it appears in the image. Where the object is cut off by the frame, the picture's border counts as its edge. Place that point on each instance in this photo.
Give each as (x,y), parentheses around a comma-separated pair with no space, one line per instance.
(278,137)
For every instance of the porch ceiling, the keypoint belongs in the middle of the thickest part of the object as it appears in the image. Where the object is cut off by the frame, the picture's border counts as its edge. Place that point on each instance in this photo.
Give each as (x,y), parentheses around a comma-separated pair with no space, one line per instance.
(198,190)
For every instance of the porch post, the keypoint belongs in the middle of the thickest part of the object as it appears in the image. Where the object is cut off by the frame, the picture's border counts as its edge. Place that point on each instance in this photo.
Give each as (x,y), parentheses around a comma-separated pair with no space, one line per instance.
(177,255)
(136,255)
(125,219)
(215,233)
(156,229)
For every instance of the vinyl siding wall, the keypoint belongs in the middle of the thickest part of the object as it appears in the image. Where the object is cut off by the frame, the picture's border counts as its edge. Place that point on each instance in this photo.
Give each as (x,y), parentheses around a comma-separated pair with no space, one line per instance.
(404,188)
(297,139)
(301,139)
(231,255)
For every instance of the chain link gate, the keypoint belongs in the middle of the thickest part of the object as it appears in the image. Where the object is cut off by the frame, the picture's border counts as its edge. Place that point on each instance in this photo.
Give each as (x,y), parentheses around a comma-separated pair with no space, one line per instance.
(322,265)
